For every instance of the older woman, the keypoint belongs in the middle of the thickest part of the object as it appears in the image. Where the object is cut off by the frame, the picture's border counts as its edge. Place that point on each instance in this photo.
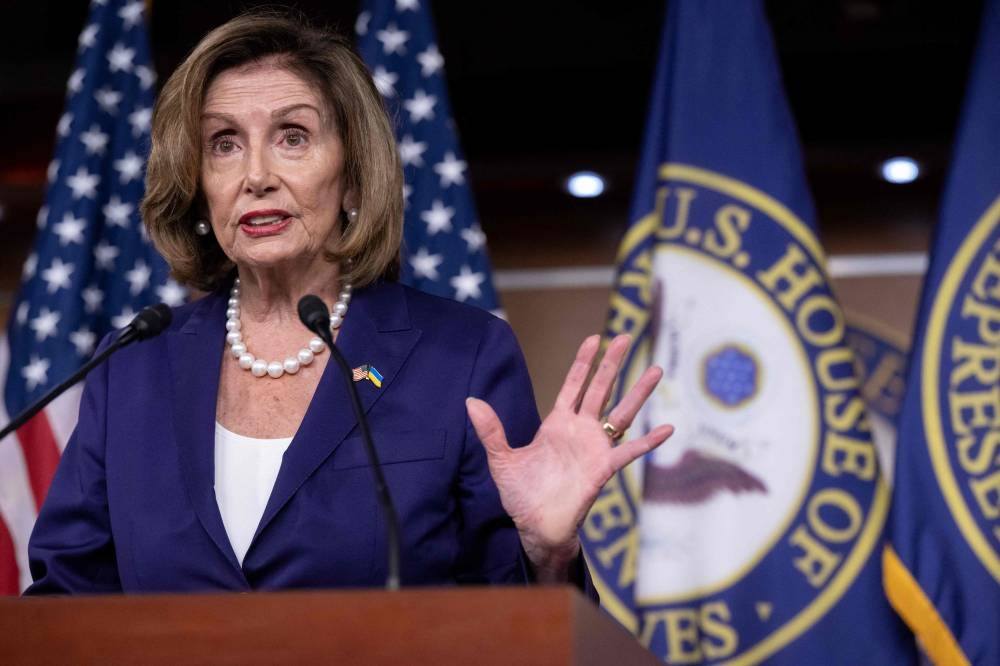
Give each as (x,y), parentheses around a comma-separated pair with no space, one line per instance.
(223,454)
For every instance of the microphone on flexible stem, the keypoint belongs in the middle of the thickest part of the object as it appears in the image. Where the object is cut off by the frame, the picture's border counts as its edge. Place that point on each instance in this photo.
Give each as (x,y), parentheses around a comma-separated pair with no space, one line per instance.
(148,323)
(316,317)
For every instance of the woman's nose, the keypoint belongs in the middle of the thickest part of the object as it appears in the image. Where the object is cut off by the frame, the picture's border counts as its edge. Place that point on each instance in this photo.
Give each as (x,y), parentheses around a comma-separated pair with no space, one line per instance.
(260,176)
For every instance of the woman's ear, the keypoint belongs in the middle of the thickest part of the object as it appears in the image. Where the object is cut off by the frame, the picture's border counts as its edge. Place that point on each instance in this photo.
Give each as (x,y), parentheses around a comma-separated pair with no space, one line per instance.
(350,200)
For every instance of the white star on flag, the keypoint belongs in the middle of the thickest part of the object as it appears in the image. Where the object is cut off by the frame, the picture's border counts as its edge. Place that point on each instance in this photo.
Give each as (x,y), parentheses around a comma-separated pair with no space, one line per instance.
(93,298)
(403,5)
(171,293)
(421,106)
(70,230)
(83,183)
(36,372)
(384,81)
(53,171)
(411,152)
(138,277)
(123,318)
(147,77)
(474,237)
(131,14)
(95,140)
(130,167)
(83,339)
(438,218)
(361,24)
(426,264)
(89,36)
(22,313)
(105,255)
(407,191)
(45,324)
(75,83)
(108,99)
(30,265)
(120,58)
(116,212)
(451,170)
(431,60)
(393,40)
(467,283)
(57,275)
(64,124)
(140,120)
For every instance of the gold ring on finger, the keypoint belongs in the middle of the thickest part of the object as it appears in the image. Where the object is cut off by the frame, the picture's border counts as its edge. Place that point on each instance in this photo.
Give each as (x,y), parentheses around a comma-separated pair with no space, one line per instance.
(611,431)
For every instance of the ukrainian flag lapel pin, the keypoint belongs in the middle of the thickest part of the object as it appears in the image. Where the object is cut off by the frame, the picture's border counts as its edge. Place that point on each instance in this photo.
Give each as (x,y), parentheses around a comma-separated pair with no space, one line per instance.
(368,372)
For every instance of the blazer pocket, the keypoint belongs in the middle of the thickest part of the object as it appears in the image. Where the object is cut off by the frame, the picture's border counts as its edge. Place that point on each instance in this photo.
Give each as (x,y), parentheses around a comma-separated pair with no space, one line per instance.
(392,447)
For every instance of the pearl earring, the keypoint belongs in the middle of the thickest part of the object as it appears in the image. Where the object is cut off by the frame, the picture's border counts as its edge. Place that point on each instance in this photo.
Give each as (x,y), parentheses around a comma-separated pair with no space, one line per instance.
(352,215)
(201,227)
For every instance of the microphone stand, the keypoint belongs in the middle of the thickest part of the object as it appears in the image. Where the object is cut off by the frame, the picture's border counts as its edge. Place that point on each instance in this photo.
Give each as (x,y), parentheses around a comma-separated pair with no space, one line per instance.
(318,321)
(149,322)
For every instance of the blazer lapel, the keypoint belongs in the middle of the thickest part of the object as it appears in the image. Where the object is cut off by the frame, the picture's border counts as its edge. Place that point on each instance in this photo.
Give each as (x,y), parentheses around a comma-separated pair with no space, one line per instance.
(195,357)
(376,331)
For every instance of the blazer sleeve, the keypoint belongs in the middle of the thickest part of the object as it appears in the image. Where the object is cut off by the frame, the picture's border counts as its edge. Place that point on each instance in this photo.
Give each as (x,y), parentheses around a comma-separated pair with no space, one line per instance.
(71,549)
(492,551)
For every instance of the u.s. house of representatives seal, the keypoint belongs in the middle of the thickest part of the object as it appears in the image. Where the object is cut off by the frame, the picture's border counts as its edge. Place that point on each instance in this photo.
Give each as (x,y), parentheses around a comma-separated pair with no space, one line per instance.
(959,388)
(742,531)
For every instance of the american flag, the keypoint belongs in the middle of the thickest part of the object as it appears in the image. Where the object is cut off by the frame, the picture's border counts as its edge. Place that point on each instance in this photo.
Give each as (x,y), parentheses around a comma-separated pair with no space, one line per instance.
(92,267)
(444,248)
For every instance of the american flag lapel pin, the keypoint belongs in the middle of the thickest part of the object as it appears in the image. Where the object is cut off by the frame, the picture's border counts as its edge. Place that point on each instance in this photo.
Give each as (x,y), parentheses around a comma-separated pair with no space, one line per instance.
(366,371)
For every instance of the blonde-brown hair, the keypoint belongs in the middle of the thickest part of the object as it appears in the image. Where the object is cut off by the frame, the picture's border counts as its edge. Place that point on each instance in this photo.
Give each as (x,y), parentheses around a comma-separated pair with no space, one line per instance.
(327,62)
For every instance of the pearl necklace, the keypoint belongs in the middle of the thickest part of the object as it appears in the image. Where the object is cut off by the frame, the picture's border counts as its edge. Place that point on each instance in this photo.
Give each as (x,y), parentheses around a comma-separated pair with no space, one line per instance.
(258,367)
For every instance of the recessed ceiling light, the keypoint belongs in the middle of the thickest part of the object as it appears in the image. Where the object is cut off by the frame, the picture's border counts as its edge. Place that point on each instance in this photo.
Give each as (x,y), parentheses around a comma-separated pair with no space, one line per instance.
(585,184)
(900,170)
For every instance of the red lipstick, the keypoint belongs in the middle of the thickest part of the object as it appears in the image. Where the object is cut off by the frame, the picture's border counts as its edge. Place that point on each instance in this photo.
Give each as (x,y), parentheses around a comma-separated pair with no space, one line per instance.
(266,222)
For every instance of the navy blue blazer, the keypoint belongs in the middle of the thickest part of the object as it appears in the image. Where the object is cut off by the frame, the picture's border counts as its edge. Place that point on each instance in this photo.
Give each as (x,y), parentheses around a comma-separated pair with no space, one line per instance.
(132,506)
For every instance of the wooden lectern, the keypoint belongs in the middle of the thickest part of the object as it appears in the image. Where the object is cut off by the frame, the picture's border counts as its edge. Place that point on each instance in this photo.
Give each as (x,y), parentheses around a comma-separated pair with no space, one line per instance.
(476,626)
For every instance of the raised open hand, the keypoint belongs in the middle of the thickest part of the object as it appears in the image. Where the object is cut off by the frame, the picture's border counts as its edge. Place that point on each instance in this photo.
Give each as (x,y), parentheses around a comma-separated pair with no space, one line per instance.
(548,486)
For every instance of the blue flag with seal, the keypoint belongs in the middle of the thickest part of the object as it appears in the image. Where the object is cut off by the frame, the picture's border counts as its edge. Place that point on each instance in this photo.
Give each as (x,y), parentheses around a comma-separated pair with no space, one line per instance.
(444,247)
(942,572)
(755,533)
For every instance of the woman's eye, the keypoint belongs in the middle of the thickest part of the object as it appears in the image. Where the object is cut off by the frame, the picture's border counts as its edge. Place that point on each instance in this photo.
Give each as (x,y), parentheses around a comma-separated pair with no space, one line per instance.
(295,138)
(223,145)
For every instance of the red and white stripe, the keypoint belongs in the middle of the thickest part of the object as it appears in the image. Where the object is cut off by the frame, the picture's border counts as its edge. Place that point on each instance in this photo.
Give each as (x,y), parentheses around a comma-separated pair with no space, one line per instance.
(28,459)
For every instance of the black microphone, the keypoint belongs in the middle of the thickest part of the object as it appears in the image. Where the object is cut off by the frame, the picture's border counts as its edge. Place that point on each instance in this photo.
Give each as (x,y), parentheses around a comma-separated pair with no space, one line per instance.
(316,317)
(148,323)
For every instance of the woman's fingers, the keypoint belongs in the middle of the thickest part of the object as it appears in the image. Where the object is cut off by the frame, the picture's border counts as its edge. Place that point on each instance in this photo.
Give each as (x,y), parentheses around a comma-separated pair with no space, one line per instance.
(625,453)
(569,394)
(488,426)
(604,378)
(624,412)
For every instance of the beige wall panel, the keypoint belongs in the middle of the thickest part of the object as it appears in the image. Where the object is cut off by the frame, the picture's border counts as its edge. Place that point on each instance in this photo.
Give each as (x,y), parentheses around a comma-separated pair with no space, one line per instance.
(890,301)
(550,324)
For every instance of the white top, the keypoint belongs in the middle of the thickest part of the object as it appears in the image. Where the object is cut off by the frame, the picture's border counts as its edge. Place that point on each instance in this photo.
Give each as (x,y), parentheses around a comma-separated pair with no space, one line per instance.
(245,470)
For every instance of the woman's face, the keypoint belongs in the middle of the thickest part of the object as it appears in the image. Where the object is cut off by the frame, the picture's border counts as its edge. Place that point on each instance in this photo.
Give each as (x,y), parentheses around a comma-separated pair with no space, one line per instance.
(272,168)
